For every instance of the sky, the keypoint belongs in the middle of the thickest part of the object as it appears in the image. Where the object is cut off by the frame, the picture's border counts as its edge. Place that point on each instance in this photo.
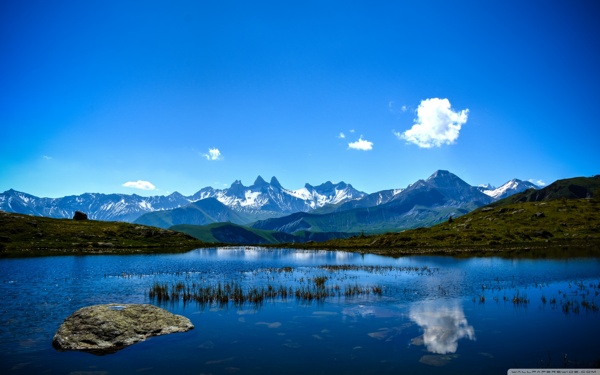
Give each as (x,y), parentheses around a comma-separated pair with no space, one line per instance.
(152,97)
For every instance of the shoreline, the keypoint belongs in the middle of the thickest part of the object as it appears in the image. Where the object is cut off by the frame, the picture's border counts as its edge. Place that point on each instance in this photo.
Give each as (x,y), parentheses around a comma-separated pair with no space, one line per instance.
(570,249)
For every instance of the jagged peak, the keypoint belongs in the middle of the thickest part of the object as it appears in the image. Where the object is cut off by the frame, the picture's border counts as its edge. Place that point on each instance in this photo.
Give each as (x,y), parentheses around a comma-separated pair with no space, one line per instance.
(237,188)
(275,182)
(259,181)
(326,184)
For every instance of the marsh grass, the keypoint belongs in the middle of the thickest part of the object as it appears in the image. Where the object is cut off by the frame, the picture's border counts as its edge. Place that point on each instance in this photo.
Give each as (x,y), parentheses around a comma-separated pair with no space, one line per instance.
(318,283)
(223,293)
(269,284)
(579,297)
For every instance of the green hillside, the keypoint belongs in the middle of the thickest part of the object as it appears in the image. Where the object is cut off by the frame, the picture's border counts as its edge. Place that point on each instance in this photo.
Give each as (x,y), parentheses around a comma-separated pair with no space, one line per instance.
(511,226)
(227,233)
(233,234)
(570,188)
(202,212)
(24,235)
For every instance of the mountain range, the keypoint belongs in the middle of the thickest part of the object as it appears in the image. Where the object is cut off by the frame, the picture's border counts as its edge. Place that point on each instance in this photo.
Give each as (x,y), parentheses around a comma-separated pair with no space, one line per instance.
(329,207)
(560,220)
(423,203)
(258,201)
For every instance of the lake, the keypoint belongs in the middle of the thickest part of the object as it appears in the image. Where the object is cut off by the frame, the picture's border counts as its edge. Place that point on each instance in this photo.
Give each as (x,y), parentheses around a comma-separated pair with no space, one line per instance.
(341,313)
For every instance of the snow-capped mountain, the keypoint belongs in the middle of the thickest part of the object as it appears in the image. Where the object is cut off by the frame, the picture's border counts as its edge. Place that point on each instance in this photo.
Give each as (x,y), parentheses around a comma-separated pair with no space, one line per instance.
(511,187)
(262,199)
(271,196)
(109,207)
(456,191)
(423,203)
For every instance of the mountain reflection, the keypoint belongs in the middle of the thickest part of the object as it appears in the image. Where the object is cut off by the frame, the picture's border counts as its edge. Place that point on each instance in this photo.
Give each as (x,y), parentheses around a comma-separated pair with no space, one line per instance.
(443,324)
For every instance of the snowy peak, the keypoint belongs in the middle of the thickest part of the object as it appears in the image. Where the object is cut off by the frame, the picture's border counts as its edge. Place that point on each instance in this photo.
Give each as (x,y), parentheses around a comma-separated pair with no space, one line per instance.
(262,198)
(445,179)
(454,189)
(111,207)
(511,187)
(484,187)
(330,193)
(441,174)
(273,197)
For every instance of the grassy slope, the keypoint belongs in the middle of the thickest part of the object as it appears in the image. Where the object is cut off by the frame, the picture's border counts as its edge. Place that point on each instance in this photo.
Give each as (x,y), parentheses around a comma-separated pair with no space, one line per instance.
(379,219)
(233,234)
(510,226)
(570,188)
(23,235)
(227,233)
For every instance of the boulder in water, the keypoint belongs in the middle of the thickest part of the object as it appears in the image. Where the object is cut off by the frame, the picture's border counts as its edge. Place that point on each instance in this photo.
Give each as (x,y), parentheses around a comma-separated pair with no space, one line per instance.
(103,329)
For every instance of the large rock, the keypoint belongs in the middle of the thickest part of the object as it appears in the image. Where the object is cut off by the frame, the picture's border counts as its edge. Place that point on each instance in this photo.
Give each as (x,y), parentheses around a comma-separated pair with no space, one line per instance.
(103,329)
(80,216)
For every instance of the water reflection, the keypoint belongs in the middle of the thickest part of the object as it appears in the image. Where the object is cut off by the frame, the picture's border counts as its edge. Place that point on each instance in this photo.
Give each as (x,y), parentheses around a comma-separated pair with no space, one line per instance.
(443,323)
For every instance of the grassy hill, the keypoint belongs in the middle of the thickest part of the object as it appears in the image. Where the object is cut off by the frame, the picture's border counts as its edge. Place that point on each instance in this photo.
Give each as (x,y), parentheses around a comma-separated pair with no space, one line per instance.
(24,235)
(202,212)
(506,228)
(233,234)
(228,233)
(563,215)
(570,188)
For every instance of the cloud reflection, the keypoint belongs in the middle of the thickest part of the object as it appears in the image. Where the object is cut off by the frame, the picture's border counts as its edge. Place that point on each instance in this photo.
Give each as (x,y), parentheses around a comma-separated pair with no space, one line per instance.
(443,323)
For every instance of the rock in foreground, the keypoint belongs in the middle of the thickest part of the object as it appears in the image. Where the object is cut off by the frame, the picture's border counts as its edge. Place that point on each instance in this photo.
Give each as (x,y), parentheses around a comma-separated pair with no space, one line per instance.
(103,329)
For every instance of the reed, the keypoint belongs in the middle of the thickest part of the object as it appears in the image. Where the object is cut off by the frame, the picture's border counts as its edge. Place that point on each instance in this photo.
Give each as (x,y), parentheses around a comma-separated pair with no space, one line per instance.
(232,291)
(519,299)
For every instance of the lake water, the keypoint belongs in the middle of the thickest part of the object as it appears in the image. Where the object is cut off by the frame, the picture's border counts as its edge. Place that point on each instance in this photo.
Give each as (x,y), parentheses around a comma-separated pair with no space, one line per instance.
(418,315)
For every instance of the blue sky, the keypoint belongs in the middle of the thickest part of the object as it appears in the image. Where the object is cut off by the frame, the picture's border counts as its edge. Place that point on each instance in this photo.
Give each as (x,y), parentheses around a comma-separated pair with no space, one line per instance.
(98,95)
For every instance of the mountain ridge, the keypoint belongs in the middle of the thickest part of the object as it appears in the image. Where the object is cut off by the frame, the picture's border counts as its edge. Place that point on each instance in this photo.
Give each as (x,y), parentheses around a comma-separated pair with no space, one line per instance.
(270,198)
(263,200)
(560,220)
(423,203)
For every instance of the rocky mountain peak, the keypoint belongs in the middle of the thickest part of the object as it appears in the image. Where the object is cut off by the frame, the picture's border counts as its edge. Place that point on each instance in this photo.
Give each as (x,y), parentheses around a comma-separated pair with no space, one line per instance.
(275,182)
(259,182)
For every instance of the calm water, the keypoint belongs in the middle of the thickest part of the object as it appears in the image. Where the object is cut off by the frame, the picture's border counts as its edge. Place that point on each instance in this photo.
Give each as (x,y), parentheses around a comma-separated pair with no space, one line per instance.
(434,314)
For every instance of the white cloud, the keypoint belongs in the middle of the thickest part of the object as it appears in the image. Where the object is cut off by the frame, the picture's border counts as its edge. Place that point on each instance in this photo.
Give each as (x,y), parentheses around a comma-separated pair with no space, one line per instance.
(139,184)
(404,108)
(342,136)
(443,324)
(361,144)
(46,157)
(351,130)
(213,154)
(436,124)
(537,182)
